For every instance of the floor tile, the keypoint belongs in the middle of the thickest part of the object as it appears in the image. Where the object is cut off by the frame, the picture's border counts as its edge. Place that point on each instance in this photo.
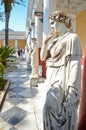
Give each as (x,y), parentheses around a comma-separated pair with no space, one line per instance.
(26,93)
(14,115)
(6,106)
(9,94)
(13,128)
(27,105)
(28,123)
(23,106)
(4,125)
(17,89)
(15,99)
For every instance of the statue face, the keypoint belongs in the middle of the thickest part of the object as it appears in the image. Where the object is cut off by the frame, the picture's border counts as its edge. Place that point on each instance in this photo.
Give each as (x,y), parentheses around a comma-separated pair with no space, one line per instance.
(56,26)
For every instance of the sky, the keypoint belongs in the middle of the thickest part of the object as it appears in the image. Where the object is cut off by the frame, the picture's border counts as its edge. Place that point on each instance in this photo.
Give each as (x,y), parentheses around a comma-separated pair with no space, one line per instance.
(18,17)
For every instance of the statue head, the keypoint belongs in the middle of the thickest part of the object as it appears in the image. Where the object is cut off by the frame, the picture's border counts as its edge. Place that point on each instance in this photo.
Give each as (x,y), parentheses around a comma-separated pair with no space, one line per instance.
(60,16)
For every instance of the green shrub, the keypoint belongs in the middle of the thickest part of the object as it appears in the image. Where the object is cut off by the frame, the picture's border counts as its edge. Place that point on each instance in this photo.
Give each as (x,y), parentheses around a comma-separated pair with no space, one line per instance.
(1,70)
(5,52)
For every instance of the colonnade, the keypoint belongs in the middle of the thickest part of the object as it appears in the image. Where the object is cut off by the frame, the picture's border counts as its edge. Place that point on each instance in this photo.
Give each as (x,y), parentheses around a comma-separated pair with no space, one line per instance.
(39,29)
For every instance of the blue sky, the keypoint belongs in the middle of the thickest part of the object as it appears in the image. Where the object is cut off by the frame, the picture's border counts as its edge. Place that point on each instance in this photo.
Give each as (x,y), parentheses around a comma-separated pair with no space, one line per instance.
(18,17)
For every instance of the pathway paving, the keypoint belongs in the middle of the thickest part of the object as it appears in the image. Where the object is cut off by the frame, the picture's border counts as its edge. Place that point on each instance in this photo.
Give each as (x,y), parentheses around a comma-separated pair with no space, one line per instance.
(23,105)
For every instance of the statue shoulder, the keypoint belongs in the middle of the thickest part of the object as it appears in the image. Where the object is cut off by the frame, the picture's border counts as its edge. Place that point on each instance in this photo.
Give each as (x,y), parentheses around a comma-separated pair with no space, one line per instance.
(74,36)
(73,44)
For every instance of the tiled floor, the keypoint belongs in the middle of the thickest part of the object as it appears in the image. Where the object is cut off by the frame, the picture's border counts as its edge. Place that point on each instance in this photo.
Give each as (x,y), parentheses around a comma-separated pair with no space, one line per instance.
(23,106)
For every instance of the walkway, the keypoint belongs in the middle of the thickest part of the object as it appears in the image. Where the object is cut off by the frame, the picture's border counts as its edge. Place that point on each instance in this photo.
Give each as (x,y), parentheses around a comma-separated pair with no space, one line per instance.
(22,109)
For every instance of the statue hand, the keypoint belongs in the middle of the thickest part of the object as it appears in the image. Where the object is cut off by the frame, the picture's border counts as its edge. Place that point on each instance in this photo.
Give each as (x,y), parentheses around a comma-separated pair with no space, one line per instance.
(47,39)
(71,102)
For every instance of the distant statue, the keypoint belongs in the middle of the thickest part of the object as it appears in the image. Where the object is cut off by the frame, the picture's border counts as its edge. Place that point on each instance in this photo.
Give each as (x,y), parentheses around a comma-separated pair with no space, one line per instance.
(62,52)
(34,58)
(27,51)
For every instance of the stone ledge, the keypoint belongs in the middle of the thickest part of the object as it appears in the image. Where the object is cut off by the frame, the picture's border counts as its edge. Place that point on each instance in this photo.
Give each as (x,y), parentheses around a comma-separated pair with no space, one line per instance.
(3,93)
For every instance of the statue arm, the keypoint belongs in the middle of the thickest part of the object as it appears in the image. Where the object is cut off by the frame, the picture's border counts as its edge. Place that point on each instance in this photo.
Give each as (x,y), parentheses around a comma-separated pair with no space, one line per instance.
(43,54)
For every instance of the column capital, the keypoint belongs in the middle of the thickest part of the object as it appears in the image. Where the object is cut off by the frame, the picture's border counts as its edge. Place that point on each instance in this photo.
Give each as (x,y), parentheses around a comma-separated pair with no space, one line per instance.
(39,14)
(32,24)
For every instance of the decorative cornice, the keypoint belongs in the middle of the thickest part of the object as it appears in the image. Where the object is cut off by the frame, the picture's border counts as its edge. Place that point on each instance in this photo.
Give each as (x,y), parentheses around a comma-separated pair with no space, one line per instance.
(13,35)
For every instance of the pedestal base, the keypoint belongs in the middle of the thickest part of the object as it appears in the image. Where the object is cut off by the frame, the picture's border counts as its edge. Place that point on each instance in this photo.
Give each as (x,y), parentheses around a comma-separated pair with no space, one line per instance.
(34,82)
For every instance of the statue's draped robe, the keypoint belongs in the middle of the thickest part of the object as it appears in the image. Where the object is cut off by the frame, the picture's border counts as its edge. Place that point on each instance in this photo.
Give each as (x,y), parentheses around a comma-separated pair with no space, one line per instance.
(64,82)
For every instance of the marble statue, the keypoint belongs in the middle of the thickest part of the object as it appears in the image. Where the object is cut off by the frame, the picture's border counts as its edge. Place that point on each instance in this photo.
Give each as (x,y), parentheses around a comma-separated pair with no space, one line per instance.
(62,51)
(27,52)
(34,58)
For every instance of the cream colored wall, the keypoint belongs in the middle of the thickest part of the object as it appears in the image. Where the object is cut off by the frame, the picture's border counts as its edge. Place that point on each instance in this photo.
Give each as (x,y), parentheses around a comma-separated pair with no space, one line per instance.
(1,43)
(12,43)
(21,43)
(81,27)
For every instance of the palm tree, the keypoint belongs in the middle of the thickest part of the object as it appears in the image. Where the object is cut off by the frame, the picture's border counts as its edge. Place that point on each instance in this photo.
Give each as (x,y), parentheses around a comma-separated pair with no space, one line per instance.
(8,7)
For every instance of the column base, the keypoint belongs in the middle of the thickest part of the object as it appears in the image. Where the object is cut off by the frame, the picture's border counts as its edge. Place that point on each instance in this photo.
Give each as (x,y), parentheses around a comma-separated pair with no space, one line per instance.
(34,82)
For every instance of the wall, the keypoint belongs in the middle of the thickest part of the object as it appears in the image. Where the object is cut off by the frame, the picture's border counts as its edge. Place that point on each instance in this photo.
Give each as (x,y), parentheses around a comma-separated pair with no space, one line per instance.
(21,43)
(12,43)
(1,43)
(81,27)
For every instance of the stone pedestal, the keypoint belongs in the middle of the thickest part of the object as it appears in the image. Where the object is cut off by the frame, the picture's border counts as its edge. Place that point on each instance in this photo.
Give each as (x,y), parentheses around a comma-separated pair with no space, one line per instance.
(34,82)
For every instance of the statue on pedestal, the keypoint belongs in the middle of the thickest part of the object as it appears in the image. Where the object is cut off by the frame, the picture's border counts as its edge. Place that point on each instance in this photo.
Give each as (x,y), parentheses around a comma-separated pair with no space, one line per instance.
(27,52)
(62,52)
(34,58)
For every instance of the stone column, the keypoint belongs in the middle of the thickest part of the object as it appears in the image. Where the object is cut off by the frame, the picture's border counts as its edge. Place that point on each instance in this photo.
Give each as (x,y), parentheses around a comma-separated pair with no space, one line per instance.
(38,35)
(34,58)
(38,27)
(27,50)
(32,30)
(16,47)
(3,42)
(49,7)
